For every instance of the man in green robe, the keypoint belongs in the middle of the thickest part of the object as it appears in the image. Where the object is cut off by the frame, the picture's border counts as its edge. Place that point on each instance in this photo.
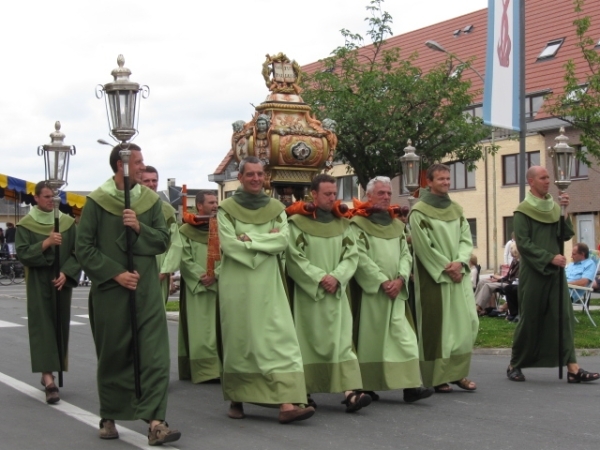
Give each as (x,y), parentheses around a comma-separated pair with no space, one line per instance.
(535,343)
(168,262)
(446,314)
(197,342)
(102,250)
(261,356)
(36,245)
(321,259)
(385,336)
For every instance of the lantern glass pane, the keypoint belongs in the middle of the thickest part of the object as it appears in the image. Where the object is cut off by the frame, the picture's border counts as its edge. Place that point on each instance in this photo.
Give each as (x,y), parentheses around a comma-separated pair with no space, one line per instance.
(56,164)
(122,109)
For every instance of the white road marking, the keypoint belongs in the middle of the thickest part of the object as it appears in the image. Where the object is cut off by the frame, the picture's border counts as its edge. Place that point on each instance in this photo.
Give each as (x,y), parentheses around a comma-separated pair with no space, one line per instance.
(84,316)
(4,324)
(131,437)
(72,322)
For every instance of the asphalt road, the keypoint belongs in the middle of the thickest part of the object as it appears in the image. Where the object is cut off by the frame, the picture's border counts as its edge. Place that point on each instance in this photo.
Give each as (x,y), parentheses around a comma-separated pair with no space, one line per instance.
(542,413)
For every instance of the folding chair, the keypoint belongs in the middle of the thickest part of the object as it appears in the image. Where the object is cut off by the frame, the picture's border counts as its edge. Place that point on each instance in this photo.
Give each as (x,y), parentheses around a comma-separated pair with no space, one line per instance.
(581,295)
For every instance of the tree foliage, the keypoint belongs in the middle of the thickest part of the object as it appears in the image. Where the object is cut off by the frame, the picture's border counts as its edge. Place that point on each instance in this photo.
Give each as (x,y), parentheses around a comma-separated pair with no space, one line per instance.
(579,104)
(381,99)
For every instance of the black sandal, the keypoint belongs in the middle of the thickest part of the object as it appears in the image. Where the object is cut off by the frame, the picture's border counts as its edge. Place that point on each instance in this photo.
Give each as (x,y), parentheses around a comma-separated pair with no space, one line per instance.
(374,396)
(356,400)
(582,376)
(514,374)
(310,401)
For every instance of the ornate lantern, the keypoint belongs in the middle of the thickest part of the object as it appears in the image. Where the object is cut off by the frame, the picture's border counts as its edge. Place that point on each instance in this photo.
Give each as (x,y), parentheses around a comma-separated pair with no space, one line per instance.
(56,159)
(411,168)
(292,144)
(562,161)
(122,107)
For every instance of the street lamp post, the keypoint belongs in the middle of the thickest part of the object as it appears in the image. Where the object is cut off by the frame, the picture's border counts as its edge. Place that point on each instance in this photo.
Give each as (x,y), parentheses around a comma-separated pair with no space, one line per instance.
(411,171)
(122,110)
(562,163)
(56,168)
(433,45)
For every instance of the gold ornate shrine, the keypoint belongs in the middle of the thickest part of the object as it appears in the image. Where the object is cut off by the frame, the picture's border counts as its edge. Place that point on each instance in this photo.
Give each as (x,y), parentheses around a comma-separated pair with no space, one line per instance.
(293,145)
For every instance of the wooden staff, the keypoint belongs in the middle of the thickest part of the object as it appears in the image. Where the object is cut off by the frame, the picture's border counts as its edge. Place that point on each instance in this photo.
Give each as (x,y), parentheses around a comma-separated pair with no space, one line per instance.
(59,334)
(132,308)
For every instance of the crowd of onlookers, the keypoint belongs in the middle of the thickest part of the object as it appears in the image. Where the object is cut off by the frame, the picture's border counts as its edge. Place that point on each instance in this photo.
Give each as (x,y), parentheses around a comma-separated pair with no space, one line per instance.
(7,241)
(582,271)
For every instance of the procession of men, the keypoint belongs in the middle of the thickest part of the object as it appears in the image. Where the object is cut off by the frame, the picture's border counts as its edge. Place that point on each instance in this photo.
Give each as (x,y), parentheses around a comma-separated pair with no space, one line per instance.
(296,302)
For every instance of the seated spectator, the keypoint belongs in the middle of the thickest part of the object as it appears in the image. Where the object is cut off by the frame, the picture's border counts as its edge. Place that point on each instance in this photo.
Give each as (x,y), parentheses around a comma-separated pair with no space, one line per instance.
(475,268)
(486,288)
(583,269)
(596,285)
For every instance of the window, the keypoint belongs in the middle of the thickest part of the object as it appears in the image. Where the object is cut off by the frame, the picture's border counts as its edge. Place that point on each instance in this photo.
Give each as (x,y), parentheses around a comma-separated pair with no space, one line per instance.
(580,169)
(347,187)
(575,95)
(551,49)
(532,105)
(473,226)
(460,177)
(229,193)
(508,228)
(510,166)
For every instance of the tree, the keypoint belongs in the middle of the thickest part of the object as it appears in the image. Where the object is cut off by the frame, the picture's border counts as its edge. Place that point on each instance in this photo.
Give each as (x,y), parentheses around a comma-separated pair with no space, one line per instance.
(579,104)
(380,100)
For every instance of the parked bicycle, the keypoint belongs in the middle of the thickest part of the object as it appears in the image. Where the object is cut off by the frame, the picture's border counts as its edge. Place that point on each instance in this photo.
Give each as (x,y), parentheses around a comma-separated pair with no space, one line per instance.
(11,273)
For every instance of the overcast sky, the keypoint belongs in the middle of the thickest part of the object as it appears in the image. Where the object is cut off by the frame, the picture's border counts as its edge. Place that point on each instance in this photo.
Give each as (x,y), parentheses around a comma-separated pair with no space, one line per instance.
(202,60)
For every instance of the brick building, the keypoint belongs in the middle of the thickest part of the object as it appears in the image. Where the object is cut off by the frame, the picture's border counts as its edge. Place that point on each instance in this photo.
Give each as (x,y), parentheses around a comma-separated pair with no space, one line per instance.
(548,48)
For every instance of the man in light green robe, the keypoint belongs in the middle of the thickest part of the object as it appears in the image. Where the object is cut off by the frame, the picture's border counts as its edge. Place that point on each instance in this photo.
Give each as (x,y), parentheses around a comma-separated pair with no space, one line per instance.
(321,259)
(102,250)
(384,331)
(197,340)
(446,314)
(36,245)
(536,225)
(261,356)
(168,262)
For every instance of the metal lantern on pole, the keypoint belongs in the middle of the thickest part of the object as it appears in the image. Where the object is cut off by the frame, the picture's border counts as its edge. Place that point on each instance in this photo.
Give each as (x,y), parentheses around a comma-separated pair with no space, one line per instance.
(56,159)
(411,171)
(56,163)
(562,162)
(122,106)
(122,110)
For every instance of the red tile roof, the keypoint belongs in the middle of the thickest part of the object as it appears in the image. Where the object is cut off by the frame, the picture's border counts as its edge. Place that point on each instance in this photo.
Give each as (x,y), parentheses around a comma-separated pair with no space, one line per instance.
(224,163)
(545,20)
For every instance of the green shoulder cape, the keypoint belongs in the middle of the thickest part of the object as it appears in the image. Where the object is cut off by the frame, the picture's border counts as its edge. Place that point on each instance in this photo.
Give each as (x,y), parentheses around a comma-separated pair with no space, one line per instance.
(529,210)
(113,206)
(392,231)
(252,216)
(193,233)
(64,223)
(310,226)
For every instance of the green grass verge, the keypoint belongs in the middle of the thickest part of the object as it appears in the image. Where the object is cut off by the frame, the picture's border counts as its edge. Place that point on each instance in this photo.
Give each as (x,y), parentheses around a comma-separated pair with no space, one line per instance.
(172,306)
(498,333)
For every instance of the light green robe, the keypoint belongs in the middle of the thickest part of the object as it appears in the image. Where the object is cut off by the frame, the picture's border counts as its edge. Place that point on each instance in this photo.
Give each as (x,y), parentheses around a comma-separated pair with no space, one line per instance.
(261,356)
(41,294)
(197,341)
(101,249)
(168,262)
(384,332)
(323,320)
(446,314)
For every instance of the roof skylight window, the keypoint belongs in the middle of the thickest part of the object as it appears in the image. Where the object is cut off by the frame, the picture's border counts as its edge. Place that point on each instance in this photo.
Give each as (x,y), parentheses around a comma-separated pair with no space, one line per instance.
(551,49)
